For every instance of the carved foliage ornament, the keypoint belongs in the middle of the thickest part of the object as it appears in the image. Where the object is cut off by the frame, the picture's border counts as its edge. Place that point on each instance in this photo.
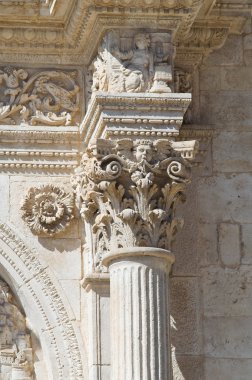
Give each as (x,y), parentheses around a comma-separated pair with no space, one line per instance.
(128,192)
(46,98)
(134,62)
(48,210)
(16,361)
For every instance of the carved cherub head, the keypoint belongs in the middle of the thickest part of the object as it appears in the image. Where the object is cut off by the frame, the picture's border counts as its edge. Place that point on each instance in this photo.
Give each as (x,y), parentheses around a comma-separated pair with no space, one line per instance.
(142,41)
(143,150)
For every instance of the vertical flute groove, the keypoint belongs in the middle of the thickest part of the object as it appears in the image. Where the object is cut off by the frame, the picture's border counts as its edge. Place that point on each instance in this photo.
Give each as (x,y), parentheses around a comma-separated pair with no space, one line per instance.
(139,305)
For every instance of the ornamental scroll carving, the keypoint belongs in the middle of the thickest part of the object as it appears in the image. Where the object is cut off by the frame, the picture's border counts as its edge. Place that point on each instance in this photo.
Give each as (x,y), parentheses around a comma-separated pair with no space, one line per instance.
(48,210)
(16,359)
(134,62)
(45,98)
(128,191)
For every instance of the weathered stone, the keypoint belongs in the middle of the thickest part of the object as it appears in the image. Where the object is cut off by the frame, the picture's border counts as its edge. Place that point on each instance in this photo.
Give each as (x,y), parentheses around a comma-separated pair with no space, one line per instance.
(219,369)
(238,160)
(185,315)
(63,256)
(225,197)
(185,246)
(4,199)
(229,244)
(230,54)
(207,244)
(210,78)
(228,337)
(188,367)
(248,42)
(235,297)
(233,79)
(226,107)
(72,291)
(247,244)
(74,72)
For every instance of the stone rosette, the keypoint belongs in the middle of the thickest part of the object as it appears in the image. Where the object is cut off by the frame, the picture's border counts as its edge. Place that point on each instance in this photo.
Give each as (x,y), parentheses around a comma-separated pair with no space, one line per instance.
(48,210)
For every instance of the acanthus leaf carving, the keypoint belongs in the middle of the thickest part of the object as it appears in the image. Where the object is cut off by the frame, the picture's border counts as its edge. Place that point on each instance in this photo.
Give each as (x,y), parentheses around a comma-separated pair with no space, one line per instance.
(46,98)
(48,210)
(134,204)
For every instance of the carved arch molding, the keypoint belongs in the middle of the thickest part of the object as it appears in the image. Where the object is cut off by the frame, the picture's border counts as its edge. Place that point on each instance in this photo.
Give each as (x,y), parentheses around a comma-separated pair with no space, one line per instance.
(49,317)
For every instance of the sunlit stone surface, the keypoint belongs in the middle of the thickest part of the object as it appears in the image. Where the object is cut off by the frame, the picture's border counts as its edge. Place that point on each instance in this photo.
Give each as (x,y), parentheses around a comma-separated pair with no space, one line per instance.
(112,115)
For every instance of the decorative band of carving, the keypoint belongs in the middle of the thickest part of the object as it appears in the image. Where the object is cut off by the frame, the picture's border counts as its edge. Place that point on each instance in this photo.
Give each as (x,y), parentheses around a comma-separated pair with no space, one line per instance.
(31,262)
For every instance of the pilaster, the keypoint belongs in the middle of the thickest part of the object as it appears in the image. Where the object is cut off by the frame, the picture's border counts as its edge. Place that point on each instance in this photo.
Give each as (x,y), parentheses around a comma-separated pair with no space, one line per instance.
(132,175)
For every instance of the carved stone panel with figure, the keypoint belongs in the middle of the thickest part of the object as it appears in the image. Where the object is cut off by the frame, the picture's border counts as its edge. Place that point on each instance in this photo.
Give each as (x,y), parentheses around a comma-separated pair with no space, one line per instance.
(134,61)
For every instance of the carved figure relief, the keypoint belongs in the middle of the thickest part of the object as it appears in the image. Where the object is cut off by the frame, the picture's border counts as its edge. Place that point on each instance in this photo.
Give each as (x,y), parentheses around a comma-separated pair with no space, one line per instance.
(46,98)
(16,359)
(128,191)
(48,210)
(183,81)
(136,62)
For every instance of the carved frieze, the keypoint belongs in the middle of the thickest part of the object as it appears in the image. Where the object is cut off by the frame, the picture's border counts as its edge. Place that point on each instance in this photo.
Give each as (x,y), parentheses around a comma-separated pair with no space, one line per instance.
(134,61)
(44,98)
(128,191)
(48,210)
(16,359)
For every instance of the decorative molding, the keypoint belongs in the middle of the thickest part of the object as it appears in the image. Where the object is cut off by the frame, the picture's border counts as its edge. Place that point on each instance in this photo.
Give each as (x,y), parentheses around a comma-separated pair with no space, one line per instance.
(47,210)
(54,150)
(24,263)
(205,38)
(46,98)
(73,35)
(145,115)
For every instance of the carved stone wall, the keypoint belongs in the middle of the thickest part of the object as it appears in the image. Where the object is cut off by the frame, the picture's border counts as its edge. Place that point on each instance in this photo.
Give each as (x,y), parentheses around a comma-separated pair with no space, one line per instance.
(71,71)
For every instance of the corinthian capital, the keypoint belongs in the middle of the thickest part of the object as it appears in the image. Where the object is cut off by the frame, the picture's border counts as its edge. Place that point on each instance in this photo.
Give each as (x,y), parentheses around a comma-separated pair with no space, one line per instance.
(128,191)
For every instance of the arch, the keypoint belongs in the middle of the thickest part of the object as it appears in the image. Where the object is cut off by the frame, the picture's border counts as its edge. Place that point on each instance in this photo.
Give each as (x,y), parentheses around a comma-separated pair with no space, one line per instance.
(47,313)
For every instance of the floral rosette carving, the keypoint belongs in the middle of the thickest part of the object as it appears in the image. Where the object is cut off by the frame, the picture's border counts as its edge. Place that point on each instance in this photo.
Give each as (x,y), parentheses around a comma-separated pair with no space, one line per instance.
(48,210)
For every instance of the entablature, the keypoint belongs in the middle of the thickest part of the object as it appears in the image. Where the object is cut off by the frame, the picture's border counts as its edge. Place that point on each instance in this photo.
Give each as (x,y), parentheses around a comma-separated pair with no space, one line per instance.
(69,32)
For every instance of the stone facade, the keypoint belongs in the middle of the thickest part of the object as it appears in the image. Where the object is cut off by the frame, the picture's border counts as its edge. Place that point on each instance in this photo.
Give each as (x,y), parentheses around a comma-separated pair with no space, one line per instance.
(112,115)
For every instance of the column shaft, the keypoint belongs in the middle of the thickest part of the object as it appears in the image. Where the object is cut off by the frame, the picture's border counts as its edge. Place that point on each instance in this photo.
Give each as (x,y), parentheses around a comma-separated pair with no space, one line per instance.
(140,346)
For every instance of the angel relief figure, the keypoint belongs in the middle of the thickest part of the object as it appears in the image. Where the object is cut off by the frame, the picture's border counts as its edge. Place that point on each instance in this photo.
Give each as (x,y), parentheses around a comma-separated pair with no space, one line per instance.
(145,67)
(137,64)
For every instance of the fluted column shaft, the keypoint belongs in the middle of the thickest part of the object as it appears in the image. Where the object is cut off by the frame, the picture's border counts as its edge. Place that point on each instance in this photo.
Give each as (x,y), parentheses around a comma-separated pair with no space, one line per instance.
(140,347)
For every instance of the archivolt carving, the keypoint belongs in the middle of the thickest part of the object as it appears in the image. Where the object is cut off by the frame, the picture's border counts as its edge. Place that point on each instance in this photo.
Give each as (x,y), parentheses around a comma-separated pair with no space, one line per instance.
(16,361)
(24,264)
(46,98)
(48,209)
(128,193)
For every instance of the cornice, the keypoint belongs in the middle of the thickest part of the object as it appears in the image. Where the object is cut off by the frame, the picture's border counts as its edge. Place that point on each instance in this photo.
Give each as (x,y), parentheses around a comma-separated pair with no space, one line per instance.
(54,150)
(69,32)
(58,150)
(107,111)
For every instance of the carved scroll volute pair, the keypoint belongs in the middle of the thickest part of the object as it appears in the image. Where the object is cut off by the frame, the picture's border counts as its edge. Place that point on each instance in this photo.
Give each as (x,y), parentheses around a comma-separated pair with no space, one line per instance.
(128,191)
